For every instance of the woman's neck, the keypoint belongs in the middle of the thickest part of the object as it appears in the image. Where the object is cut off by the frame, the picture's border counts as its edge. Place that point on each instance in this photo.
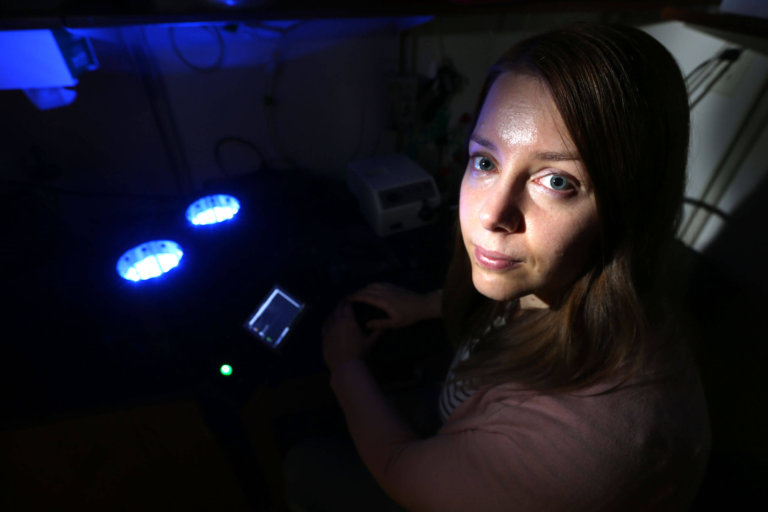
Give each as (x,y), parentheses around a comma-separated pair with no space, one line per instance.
(532,302)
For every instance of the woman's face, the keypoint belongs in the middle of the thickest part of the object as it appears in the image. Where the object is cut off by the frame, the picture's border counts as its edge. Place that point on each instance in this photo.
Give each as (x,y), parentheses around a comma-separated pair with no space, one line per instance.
(527,209)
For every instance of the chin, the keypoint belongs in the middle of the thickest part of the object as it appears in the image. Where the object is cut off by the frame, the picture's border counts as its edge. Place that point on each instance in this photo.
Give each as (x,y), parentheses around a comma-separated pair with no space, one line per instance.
(496,289)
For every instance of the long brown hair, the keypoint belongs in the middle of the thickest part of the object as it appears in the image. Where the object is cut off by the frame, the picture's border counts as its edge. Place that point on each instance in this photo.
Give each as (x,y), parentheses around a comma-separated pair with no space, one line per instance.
(624,102)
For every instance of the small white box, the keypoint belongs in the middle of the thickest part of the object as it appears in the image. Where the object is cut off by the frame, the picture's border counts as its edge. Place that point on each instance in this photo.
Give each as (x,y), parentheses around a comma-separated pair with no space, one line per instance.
(394,193)
(31,59)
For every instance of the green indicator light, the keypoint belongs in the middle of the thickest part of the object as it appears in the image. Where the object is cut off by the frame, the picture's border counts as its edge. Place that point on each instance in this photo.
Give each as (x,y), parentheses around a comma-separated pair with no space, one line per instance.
(225,370)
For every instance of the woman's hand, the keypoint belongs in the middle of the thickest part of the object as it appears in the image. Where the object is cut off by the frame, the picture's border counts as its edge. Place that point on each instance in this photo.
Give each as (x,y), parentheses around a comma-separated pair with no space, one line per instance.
(343,339)
(403,307)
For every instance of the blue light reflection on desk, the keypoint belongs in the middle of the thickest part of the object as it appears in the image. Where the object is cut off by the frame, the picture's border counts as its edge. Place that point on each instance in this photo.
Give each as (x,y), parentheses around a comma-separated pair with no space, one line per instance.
(149,260)
(212,209)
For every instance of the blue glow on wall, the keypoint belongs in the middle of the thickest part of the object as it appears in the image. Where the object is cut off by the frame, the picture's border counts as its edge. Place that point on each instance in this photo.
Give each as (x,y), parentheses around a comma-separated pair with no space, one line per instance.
(149,260)
(212,209)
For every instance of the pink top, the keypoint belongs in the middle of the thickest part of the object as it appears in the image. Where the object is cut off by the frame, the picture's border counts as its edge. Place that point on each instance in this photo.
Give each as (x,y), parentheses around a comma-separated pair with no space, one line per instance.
(642,446)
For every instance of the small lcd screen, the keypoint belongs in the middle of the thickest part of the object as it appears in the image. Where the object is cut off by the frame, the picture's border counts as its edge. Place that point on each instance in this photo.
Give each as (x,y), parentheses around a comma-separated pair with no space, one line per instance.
(274,318)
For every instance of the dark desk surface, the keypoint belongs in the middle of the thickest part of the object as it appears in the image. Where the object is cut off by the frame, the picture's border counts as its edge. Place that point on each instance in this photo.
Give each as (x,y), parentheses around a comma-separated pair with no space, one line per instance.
(80,338)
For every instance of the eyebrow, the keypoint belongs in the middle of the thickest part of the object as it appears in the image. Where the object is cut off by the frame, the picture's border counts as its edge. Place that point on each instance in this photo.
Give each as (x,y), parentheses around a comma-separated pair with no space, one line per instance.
(483,142)
(552,156)
(555,156)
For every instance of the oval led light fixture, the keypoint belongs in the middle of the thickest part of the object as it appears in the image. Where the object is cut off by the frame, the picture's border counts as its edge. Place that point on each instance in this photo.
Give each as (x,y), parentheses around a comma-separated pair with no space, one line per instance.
(149,260)
(212,209)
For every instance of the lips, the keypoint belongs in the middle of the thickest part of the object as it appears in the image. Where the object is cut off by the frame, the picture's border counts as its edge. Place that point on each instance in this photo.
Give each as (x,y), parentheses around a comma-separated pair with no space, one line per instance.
(495,260)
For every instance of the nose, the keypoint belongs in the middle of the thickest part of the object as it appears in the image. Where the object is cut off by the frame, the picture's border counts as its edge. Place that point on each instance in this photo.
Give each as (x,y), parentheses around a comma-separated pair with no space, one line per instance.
(501,209)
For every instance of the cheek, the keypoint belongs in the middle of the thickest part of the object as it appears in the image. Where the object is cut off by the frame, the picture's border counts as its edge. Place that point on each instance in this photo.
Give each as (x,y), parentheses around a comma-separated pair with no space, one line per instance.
(569,244)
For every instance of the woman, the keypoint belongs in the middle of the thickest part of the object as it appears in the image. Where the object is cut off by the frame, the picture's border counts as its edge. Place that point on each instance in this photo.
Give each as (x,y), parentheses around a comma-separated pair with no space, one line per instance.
(571,388)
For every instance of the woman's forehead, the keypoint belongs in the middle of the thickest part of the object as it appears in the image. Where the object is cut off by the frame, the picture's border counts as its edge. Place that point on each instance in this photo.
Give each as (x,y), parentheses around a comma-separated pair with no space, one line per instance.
(519,111)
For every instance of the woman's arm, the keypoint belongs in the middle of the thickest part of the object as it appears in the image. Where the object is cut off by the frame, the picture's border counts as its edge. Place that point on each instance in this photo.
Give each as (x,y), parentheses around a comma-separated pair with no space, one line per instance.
(378,431)
(421,474)
(465,471)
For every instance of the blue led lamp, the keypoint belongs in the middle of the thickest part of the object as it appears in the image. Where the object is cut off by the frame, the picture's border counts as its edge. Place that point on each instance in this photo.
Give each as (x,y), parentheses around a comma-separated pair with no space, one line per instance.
(212,209)
(149,260)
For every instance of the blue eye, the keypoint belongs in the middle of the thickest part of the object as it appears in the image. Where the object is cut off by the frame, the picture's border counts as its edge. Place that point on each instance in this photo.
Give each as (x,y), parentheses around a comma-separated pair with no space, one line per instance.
(482,163)
(558,182)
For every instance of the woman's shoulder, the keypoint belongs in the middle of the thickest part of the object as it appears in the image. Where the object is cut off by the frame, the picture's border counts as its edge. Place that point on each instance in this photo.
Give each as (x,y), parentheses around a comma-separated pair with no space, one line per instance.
(649,430)
(669,385)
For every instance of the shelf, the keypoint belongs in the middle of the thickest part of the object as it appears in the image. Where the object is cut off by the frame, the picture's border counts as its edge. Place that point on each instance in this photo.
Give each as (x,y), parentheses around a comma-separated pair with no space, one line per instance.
(24,14)
(747,31)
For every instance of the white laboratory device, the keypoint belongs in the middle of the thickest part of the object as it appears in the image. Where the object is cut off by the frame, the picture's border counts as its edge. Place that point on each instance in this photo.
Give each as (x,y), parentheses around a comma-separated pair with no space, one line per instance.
(394,193)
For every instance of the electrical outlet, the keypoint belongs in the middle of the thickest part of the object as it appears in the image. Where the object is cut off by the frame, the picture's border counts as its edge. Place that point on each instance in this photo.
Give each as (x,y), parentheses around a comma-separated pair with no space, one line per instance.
(730,81)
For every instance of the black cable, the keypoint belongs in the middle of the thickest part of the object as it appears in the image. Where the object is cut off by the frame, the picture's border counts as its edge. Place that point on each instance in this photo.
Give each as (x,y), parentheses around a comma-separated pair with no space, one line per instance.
(704,206)
(694,81)
(711,84)
(238,140)
(203,69)
(698,68)
(149,75)
(727,56)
